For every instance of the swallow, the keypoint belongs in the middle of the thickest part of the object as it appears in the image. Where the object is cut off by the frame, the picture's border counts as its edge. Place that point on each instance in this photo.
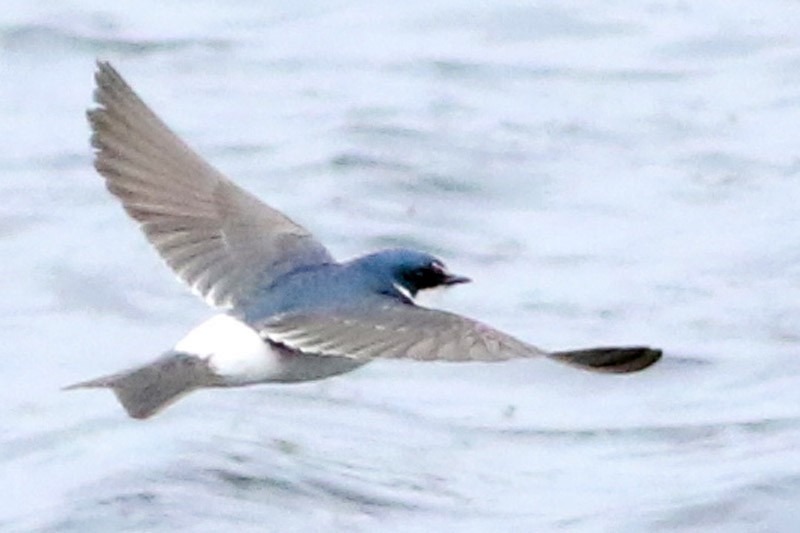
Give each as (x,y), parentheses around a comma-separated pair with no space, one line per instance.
(289,311)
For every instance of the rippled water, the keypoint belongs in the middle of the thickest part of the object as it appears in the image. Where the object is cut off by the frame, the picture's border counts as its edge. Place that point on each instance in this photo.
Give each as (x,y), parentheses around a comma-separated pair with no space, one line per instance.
(620,172)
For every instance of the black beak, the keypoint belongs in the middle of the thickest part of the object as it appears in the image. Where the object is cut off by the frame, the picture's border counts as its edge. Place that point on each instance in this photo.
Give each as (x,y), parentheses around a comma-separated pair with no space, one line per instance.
(451,279)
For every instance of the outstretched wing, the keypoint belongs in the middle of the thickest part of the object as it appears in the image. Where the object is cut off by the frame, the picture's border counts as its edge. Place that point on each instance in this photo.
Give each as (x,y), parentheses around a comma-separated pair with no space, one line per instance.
(395,331)
(219,239)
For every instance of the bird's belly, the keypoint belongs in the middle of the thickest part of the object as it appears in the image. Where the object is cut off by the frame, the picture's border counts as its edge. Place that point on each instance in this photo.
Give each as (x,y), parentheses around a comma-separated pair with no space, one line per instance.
(239,356)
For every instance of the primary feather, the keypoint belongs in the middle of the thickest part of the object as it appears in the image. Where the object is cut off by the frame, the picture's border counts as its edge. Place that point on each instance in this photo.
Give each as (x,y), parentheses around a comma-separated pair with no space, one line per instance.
(219,239)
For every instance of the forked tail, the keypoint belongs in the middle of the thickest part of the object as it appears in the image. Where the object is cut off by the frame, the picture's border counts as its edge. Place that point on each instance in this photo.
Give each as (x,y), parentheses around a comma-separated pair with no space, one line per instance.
(616,360)
(146,390)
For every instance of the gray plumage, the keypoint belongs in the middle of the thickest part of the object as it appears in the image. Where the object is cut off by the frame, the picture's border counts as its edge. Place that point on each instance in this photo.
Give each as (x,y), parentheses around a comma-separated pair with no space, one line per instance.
(148,389)
(219,239)
(145,390)
(295,314)
(396,330)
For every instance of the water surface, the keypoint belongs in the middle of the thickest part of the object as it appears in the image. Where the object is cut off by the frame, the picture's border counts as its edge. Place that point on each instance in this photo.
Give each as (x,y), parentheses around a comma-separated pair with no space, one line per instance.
(615,173)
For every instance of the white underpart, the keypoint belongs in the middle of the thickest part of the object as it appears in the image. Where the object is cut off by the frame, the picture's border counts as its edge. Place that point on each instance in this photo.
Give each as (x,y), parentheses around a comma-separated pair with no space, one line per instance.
(232,348)
(405,292)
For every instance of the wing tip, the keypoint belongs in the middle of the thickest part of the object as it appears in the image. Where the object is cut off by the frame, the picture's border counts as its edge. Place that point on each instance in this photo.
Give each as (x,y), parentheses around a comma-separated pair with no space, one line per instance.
(105,73)
(614,360)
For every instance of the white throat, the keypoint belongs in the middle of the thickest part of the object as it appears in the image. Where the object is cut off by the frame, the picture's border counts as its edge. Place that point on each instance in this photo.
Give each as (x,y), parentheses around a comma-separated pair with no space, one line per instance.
(402,290)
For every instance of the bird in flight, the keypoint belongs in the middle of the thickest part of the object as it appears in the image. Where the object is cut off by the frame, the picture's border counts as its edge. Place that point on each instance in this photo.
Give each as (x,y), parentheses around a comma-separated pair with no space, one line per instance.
(289,311)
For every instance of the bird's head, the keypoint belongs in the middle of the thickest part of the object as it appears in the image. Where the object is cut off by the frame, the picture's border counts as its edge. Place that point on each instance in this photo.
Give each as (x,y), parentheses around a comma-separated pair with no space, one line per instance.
(410,271)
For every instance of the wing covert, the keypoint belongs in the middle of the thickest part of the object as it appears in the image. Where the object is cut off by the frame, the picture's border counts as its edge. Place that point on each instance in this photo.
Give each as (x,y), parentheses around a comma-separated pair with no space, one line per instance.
(394,331)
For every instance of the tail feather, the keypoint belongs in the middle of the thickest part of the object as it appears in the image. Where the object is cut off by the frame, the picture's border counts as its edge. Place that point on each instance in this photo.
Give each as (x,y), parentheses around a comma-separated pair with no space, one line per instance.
(616,360)
(146,390)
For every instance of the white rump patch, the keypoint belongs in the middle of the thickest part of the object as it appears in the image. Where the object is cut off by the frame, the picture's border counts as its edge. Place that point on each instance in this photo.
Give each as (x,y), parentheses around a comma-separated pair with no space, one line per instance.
(233,350)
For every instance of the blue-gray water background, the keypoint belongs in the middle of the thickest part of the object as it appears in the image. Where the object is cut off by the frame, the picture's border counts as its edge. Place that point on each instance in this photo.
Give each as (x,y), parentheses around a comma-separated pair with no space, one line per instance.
(608,172)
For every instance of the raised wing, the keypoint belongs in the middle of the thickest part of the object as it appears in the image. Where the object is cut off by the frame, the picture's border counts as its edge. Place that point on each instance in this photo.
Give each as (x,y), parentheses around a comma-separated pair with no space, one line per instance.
(395,331)
(219,239)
